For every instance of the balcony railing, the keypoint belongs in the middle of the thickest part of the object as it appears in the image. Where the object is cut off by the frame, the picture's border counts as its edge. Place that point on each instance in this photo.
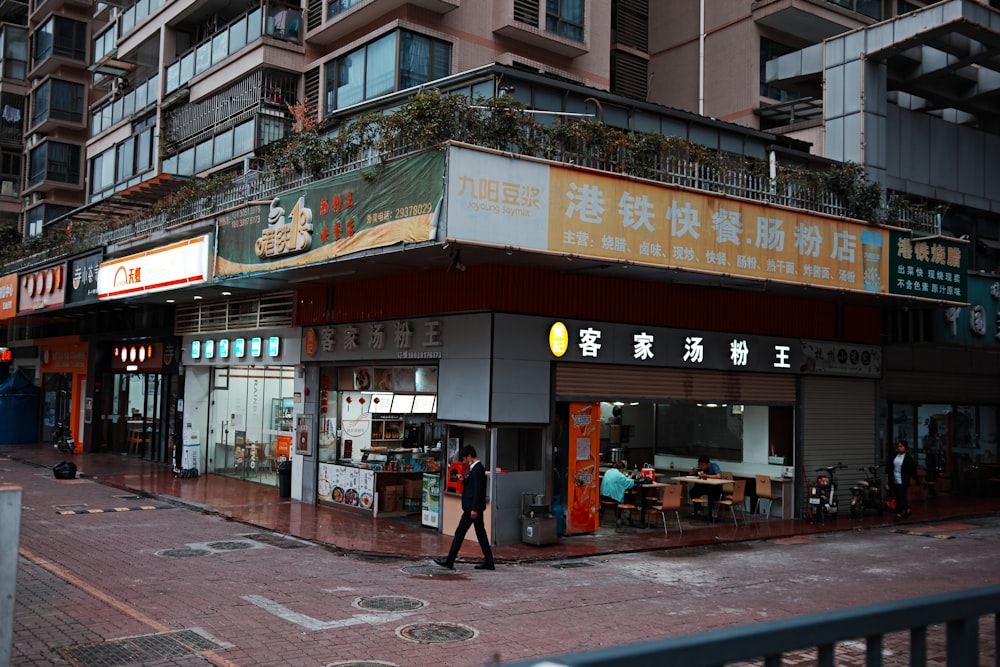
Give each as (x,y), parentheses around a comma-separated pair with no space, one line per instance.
(142,96)
(946,625)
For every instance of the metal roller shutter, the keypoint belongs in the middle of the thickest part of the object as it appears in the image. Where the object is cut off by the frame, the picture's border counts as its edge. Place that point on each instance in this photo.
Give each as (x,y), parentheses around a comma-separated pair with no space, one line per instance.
(838,426)
(596,381)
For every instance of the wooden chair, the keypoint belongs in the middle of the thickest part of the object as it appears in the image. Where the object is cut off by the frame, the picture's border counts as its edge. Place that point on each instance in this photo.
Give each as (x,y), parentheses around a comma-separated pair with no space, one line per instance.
(670,502)
(736,499)
(763,492)
(136,441)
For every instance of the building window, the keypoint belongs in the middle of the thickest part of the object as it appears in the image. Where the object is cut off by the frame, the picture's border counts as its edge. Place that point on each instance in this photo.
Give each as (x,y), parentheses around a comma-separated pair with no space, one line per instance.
(565,18)
(60,36)
(42,215)
(54,161)
(394,61)
(769,49)
(872,8)
(58,100)
(15,52)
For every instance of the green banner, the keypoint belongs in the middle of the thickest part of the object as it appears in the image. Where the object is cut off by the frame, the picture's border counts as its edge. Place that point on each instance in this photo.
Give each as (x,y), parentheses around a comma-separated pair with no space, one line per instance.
(335,217)
(929,267)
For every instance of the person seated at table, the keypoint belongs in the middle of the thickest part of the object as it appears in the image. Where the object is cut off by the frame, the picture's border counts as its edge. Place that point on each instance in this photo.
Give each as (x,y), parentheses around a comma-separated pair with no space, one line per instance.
(615,483)
(706,470)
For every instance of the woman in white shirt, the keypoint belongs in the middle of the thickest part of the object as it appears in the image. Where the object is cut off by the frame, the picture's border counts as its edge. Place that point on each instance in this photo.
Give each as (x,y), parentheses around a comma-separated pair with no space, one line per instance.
(902,471)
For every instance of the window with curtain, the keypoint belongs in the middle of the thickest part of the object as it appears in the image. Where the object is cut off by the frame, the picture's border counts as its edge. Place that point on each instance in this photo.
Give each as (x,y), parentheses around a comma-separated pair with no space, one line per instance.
(565,18)
(60,36)
(54,161)
(394,61)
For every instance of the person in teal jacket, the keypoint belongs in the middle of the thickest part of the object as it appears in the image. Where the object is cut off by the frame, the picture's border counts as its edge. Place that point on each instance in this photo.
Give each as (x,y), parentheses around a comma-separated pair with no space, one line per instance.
(614,484)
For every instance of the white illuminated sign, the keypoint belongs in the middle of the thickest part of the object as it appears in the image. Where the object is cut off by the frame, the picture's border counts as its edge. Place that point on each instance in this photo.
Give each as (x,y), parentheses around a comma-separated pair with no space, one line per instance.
(169,267)
(273,346)
(239,347)
(255,347)
(223,348)
(196,349)
(209,349)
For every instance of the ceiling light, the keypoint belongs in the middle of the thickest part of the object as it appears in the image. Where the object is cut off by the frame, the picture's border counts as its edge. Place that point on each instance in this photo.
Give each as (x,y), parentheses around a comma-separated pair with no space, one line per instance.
(197,298)
(227,293)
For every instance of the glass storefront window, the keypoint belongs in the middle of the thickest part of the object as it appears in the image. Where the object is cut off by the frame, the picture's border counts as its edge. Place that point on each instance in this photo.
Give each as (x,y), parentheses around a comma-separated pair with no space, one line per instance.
(252,421)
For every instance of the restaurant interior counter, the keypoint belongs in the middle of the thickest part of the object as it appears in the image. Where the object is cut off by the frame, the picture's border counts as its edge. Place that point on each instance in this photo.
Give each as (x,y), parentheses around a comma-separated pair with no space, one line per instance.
(386,480)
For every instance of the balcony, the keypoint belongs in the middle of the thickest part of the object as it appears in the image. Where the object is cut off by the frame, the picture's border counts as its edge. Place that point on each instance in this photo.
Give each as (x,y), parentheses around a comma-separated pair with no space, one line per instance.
(525,21)
(346,16)
(804,19)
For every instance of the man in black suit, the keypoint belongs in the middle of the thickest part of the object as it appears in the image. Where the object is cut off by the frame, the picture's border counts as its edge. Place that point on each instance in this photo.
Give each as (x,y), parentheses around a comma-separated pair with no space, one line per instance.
(473,506)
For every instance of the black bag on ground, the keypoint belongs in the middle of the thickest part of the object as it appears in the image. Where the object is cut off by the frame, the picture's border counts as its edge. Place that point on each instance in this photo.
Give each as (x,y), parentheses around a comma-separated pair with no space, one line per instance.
(64,470)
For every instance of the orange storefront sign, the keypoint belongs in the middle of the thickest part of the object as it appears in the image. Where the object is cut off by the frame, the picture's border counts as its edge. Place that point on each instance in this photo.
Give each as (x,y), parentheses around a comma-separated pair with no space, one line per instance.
(8,296)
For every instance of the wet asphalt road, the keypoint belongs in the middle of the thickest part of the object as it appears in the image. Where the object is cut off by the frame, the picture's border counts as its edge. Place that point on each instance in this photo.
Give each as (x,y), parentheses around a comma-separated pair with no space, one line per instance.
(105,578)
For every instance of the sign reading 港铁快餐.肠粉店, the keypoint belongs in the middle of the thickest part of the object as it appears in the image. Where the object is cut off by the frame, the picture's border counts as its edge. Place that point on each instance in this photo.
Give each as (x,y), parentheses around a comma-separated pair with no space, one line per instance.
(530,204)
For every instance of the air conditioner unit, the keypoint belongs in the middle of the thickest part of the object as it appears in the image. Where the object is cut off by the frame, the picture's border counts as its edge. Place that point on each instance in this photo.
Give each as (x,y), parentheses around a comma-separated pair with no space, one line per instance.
(8,189)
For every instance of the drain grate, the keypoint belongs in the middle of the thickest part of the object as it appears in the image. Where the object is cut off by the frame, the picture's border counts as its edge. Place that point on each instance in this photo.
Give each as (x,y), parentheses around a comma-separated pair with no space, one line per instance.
(436,633)
(429,570)
(144,649)
(230,546)
(183,553)
(389,603)
(571,564)
(275,540)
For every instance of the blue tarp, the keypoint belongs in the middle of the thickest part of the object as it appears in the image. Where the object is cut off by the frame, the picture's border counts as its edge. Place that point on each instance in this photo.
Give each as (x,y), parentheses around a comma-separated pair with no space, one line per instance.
(19,399)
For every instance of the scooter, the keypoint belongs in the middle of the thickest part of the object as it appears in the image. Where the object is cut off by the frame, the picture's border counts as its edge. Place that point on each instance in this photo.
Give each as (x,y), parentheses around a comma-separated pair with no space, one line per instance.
(63,438)
(823,495)
(867,494)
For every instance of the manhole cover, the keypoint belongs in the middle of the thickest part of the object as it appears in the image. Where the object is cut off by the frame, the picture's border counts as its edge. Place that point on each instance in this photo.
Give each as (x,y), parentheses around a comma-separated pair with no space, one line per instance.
(572,564)
(183,553)
(141,650)
(229,546)
(362,663)
(436,633)
(279,541)
(389,603)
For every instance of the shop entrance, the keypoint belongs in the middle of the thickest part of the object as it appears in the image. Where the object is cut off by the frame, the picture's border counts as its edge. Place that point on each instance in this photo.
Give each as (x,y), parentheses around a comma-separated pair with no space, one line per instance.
(251,423)
(57,402)
(133,425)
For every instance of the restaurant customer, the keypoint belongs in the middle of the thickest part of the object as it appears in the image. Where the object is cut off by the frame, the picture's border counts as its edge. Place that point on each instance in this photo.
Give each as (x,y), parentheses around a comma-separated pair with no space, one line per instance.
(706,470)
(473,506)
(615,483)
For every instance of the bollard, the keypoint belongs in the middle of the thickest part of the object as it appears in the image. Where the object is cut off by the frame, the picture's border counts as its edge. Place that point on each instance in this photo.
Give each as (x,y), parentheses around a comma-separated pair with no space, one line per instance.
(10,528)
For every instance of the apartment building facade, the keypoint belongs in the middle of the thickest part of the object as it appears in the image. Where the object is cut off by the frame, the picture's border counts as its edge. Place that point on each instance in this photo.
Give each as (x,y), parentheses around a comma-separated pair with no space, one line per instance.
(180,91)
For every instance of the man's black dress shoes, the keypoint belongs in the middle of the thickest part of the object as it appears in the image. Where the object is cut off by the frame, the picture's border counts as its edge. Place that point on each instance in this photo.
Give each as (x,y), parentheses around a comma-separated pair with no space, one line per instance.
(443,562)
(484,566)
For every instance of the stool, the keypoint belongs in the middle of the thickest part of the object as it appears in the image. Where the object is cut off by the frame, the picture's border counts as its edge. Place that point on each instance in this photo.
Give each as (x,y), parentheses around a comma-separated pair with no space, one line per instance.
(608,508)
(624,507)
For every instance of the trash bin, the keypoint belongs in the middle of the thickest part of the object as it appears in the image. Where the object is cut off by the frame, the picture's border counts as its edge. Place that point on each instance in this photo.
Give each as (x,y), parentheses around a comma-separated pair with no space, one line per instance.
(285,479)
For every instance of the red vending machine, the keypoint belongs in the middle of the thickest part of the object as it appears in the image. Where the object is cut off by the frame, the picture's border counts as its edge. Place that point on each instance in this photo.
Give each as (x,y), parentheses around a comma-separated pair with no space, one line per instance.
(584,468)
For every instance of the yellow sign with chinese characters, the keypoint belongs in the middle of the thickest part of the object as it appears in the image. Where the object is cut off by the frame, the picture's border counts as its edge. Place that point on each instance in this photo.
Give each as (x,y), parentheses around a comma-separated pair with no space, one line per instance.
(631,221)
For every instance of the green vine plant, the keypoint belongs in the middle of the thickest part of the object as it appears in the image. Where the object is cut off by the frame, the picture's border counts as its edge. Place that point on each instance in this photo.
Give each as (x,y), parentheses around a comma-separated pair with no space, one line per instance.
(430,118)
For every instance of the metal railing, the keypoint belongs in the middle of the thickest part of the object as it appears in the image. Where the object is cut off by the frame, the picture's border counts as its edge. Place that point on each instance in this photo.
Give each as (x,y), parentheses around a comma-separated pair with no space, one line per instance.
(958,612)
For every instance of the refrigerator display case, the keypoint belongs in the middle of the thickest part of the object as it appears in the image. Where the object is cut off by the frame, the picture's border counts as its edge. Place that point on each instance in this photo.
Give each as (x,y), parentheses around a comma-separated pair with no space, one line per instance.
(430,514)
